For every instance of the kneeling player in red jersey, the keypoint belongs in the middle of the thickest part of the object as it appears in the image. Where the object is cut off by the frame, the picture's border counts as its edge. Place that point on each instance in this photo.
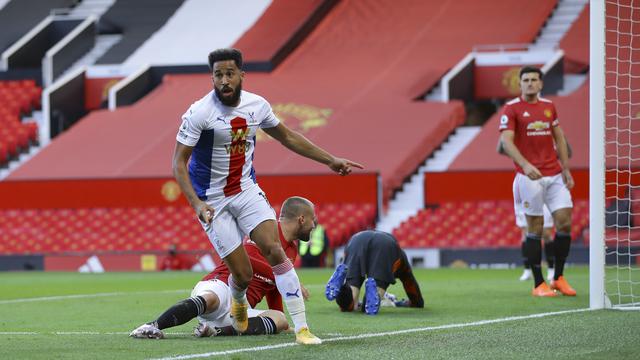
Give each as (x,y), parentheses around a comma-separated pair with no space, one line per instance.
(210,299)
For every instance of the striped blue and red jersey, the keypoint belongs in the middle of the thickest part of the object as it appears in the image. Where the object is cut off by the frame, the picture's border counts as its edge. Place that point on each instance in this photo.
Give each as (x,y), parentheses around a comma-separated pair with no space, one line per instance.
(223,140)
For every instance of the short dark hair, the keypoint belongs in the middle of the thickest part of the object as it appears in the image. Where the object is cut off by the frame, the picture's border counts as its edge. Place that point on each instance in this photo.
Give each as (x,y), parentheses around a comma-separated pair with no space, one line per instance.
(294,206)
(344,299)
(225,54)
(530,69)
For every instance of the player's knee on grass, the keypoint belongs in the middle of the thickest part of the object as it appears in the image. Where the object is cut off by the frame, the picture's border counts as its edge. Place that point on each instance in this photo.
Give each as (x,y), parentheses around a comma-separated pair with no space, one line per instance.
(212,300)
(278,318)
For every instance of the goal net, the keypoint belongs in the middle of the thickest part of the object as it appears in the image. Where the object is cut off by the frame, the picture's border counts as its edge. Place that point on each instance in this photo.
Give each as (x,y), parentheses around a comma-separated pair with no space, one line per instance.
(621,238)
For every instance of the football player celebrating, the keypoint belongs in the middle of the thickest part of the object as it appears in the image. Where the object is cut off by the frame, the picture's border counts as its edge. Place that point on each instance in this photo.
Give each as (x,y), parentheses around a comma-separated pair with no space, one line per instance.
(213,164)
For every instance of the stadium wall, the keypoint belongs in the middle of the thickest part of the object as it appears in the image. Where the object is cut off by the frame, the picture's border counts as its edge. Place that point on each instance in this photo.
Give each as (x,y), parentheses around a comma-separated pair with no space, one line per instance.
(356,188)
(484,185)
(139,84)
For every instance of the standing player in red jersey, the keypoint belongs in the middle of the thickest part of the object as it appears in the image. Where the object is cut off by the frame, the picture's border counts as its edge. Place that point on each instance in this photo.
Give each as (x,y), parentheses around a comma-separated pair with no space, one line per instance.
(210,299)
(531,135)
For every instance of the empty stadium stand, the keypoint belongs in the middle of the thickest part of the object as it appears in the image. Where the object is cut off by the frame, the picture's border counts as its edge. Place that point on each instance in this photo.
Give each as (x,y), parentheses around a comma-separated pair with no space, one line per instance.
(17,97)
(18,17)
(197,27)
(136,20)
(573,112)
(365,82)
(282,27)
(96,230)
(354,95)
(482,224)
(576,44)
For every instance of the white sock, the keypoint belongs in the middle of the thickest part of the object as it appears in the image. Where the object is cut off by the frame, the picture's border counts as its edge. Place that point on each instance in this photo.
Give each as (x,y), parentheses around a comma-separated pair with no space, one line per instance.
(238,294)
(288,285)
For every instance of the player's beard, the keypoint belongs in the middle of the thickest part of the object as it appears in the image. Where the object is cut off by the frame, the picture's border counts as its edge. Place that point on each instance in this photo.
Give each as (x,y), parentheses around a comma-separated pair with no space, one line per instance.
(233,100)
(304,235)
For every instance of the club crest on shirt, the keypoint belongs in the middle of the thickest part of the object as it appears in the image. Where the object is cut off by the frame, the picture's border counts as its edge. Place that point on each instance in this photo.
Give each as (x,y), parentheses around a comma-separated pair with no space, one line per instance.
(526,204)
(548,113)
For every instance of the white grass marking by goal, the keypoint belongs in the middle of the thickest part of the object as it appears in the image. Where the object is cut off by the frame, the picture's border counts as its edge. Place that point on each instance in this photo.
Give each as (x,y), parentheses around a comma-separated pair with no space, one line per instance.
(119,333)
(83,296)
(371,335)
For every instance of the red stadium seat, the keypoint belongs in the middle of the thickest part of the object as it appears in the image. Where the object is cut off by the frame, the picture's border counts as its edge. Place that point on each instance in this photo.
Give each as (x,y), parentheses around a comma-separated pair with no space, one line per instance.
(483,224)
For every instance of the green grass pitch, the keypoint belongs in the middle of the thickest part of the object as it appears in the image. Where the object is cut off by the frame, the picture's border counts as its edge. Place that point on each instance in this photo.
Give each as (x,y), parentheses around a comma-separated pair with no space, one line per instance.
(54,324)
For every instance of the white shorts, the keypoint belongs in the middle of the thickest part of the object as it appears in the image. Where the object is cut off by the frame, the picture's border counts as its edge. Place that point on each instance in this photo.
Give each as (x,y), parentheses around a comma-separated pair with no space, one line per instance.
(521,219)
(532,195)
(222,316)
(235,217)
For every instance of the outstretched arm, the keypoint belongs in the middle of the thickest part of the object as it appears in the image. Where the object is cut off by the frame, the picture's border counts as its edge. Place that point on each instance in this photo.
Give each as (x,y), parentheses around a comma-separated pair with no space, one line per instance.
(299,144)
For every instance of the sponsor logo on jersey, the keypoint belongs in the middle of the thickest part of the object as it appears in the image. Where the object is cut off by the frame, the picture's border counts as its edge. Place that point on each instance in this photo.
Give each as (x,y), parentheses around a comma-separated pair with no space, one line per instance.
(239,144)
(526,114)
(239,134)
(263,279)
(538,128)
(538,125)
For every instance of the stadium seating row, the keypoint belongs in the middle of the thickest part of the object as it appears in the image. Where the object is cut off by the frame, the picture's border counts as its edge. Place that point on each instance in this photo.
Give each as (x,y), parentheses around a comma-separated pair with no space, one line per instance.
(140,229)
(482,224)
(17,97)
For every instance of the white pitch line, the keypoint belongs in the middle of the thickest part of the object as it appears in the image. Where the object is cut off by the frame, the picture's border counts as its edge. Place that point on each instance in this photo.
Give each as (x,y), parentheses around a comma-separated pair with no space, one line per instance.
(119,333)
(370,335)
(83,296)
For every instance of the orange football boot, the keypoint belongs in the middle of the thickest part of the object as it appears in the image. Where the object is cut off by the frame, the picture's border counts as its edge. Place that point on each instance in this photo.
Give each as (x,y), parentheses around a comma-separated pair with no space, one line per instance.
(543,290)
(563,286)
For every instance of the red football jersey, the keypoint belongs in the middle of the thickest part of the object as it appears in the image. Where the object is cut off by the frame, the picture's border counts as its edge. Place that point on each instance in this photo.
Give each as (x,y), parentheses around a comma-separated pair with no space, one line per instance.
(532,125)
(263,282)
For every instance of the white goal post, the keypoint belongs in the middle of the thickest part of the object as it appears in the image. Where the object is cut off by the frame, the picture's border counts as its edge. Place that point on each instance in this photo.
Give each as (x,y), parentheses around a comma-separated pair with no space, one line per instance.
(596,154)
(614,157)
